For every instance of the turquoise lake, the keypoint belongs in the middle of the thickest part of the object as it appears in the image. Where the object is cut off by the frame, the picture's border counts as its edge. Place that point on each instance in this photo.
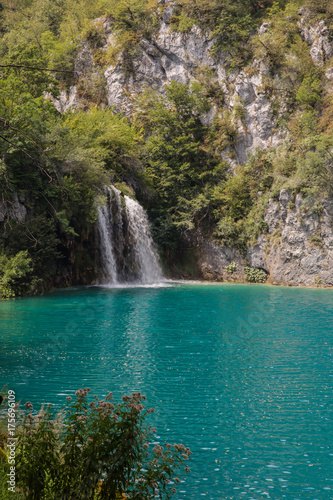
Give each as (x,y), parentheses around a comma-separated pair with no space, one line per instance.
(241,374)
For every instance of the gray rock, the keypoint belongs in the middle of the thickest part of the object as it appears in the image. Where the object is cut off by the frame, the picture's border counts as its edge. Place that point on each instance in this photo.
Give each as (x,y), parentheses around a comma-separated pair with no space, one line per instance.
(257,129)
(284,197)
(294,257)
(213,260)
(84,62)
(264,28)
(18,210)
(179,56)
(317,35)
(298,249)
(15,210)
(66,100)
(168,13)
(329,74)
(256,254)
(169,56)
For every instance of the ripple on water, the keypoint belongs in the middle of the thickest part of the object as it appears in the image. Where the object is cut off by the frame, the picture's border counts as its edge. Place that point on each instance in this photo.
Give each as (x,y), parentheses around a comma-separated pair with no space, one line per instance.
(241,374)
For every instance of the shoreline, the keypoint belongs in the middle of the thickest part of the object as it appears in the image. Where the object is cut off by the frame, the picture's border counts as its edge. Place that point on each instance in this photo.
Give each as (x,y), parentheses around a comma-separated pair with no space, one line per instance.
(166,284)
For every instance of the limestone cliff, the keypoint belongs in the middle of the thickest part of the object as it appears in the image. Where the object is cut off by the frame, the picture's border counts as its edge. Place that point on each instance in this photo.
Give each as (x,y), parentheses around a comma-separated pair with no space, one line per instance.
(298,246)
(297,250)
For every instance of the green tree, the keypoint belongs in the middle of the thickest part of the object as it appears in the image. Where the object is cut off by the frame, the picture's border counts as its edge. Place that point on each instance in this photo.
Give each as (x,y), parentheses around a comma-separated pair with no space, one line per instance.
(178,161)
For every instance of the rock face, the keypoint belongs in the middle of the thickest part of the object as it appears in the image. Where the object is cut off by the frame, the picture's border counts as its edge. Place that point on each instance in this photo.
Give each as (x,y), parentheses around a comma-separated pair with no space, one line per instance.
(16,210)
(169,56)
(66,100)
(257,127)
(318,37)
(297,250)
(213,262)
(180,56)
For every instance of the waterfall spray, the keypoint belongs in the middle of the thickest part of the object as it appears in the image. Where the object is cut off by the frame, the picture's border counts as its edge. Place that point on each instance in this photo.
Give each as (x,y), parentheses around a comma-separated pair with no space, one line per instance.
(126,247)
(104,225)
(145,253)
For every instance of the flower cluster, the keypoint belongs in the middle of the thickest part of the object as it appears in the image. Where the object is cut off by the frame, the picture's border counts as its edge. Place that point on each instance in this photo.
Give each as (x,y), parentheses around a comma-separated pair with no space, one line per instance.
(82,393)
(158,450)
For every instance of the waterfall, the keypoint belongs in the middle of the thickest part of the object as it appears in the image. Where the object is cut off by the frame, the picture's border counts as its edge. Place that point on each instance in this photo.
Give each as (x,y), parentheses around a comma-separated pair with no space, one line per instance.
(145,253)
(126,251)
(104,225)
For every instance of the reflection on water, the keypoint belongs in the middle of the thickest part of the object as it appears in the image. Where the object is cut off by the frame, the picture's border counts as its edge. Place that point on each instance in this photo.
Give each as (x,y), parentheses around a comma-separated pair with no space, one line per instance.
(241,374)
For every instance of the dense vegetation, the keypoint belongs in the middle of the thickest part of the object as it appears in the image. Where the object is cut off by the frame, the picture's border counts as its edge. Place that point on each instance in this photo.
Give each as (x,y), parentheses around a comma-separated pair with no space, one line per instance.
(92,450)
(57,163)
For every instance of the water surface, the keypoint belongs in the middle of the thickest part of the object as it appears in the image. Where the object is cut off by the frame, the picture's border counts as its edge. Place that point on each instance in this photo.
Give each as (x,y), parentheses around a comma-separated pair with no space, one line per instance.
(242,374)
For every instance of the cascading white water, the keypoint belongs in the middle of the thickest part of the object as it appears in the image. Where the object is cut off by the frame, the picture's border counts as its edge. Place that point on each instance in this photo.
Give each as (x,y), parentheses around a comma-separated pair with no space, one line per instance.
(126,249)
(104,225)
(146,255)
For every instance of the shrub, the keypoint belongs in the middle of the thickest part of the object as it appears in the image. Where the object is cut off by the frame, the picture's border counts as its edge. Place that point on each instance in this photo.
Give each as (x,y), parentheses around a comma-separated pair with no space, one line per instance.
(317,208)
(255,275)
(15,273)
(231,268)
(226,231)
(310,91)
(95,450)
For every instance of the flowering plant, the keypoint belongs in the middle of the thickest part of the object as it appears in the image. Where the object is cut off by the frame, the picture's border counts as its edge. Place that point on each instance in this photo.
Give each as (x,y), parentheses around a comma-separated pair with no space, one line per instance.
(96,450)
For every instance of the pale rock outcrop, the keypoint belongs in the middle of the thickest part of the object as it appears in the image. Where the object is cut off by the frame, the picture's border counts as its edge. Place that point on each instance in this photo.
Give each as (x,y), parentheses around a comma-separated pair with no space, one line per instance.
(329,74)
(169,56)
(179,56)
(66,100)
(297,250)
(85,68)
(317,35)
(257,128)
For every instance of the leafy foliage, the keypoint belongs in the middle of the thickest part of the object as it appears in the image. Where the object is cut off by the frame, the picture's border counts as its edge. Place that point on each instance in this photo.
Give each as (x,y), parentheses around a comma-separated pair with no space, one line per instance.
(58,162)
(15,273)
(255,275)
(39,237)
(230,23)
(94,451)
(231,268)
(53,29)
(181,168)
